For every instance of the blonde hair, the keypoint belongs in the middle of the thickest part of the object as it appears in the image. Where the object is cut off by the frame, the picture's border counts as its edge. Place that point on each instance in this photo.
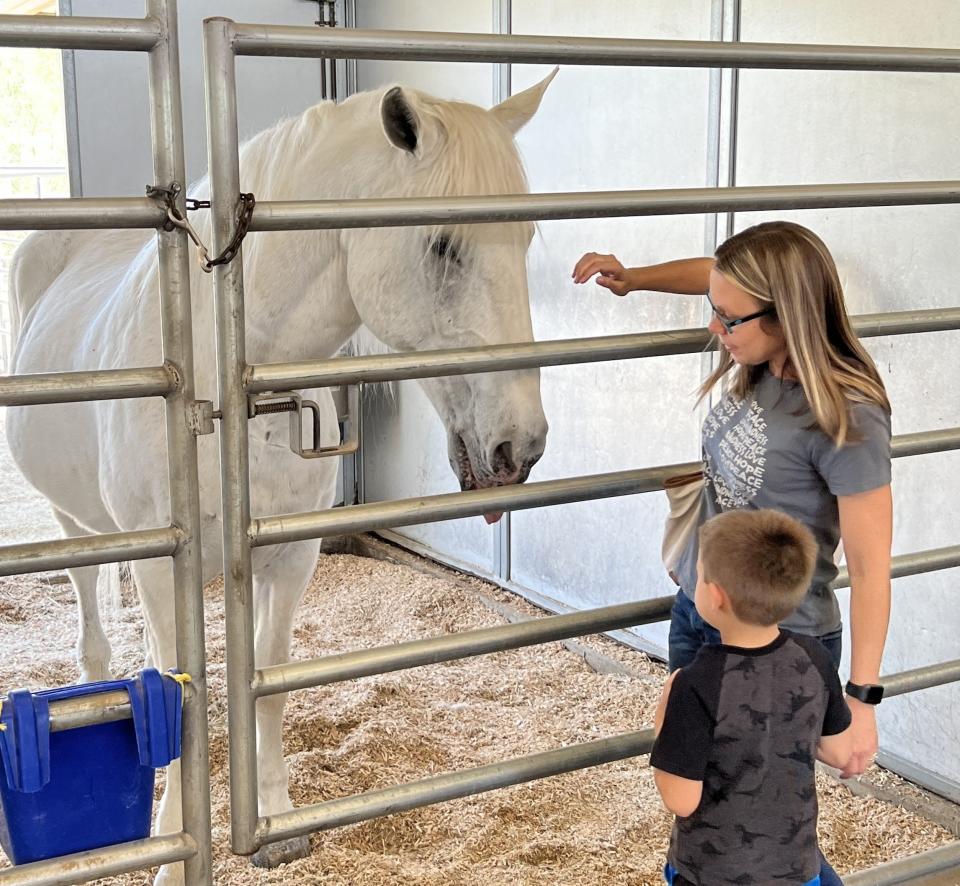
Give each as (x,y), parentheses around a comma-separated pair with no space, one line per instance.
(787,266)
(763,559)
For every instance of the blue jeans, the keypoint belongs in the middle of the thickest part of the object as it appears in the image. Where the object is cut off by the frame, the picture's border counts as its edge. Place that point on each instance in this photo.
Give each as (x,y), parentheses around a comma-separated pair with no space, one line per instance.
(688,632)
(675,879)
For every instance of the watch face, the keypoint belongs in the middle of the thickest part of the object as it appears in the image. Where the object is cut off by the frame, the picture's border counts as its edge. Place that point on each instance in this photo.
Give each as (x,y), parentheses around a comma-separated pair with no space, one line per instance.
(874,694)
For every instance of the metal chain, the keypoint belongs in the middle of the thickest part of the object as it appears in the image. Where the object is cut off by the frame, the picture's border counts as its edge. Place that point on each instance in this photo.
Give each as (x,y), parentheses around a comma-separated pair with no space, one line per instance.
(176,219)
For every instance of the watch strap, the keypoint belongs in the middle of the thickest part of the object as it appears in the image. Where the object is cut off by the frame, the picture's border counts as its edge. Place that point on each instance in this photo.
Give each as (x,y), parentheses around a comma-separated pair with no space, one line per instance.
(868,693)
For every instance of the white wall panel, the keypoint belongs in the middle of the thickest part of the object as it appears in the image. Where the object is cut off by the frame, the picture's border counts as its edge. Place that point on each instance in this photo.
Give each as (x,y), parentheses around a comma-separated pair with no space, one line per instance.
(112,95)
(611,128)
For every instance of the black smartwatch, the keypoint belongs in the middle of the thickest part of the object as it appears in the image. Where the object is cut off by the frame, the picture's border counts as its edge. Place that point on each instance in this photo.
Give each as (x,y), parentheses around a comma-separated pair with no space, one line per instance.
(868,693)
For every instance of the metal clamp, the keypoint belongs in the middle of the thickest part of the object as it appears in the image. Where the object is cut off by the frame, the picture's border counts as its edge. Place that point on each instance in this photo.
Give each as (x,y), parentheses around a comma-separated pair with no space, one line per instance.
(294,404)
(200,417)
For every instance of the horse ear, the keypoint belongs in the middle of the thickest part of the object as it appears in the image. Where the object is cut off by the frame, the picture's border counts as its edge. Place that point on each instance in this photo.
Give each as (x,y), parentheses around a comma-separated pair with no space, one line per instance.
(516,111)
(400,122)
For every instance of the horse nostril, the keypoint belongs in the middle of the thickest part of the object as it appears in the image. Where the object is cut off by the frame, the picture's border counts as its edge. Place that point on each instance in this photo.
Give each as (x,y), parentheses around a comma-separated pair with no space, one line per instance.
(502,460)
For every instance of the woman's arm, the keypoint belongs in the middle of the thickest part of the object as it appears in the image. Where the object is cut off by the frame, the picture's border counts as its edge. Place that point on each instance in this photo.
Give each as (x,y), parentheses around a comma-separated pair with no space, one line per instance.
(866,527)
(686,276)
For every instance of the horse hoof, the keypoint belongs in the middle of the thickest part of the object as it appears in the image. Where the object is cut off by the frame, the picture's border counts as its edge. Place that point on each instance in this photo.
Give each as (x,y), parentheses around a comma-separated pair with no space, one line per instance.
(274,854)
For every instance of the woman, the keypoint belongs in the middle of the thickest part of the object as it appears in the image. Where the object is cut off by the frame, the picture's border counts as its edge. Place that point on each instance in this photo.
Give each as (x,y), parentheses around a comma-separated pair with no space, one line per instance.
(804,427)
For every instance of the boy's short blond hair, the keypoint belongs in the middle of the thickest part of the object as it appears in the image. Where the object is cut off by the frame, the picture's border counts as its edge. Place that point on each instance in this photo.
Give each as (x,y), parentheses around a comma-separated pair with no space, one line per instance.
(763,559)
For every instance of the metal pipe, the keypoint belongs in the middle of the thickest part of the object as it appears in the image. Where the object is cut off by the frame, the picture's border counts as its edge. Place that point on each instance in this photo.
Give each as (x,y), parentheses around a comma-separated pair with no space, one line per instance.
(451,786)
(907,870)
(77,387)
(450,506)
(80,32)
(89,550)
(89,710)
(80,212)
(176,325)
(921,678)
(916,563)
(264,377)
(95,863)
(256,39)
(384,659)
(224,165)
(299,215)
(925,442)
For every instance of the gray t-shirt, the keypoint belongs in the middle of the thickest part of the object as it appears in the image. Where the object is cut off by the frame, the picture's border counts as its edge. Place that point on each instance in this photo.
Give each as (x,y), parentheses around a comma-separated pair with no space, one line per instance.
(762,452)
(746,723)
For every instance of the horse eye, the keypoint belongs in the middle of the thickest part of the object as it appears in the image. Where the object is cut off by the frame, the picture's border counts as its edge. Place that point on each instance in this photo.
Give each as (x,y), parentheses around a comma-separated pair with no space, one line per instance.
(443,248)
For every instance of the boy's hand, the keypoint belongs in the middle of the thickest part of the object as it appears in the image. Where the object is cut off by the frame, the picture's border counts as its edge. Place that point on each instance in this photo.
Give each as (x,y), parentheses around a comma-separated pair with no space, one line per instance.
(662,705)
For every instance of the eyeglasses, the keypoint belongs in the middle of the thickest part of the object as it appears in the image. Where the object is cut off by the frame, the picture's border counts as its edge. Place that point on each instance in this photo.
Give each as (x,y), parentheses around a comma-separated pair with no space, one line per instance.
(730,325)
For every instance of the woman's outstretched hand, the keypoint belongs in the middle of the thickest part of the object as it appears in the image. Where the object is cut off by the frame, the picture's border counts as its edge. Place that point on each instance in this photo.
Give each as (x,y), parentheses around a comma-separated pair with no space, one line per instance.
(612,274)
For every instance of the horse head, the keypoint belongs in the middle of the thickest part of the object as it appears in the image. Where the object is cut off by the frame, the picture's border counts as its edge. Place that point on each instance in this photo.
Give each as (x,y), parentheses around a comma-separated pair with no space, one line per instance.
(449,286)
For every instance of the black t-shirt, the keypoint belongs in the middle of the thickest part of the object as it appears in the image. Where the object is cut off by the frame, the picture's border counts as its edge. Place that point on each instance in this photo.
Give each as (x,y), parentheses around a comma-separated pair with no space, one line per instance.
(746,722)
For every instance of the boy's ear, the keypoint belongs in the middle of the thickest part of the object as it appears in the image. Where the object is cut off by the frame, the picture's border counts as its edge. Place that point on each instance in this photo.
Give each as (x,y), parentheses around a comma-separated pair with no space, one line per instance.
(719,598)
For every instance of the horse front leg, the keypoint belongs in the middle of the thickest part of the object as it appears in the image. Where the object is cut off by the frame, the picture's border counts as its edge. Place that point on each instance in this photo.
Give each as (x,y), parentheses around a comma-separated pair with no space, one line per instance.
(93,647)
(280,579)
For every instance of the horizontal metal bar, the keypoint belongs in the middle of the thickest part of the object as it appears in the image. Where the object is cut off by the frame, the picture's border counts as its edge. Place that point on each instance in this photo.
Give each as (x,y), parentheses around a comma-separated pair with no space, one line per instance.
(317,214)
(89,550)
(921,678)
(925,442)
(916,563)
(89,710)
(80,32)
(335,371)
(265,377)
(522,49)
(450,506)
(400,798)
(384,659)
(108,862)
(909,869)
(451,786)
(80,212)
(76,387)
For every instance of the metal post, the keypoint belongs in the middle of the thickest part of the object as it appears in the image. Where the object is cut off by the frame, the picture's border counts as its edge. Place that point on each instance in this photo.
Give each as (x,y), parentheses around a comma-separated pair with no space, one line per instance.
(166,123)
(224,165)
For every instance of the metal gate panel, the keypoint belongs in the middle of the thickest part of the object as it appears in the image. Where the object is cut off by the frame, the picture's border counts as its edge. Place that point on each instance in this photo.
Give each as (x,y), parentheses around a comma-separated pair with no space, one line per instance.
(155,34)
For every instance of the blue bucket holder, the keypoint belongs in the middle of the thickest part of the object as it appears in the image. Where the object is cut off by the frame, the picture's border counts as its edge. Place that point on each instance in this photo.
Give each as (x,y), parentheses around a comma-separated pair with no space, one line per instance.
(88,787)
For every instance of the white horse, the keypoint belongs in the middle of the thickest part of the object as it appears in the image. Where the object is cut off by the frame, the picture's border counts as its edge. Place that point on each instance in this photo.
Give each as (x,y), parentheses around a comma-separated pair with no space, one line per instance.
(88,300)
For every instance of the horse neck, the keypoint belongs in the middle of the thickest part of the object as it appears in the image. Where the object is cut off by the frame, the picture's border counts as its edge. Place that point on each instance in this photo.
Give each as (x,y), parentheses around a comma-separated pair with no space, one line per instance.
(297,297)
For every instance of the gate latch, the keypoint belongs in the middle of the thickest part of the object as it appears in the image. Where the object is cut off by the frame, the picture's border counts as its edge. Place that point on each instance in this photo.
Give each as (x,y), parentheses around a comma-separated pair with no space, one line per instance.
(295,405)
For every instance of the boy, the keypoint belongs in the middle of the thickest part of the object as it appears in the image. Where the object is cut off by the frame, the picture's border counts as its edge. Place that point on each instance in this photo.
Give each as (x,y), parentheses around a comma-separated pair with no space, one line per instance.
(738,728)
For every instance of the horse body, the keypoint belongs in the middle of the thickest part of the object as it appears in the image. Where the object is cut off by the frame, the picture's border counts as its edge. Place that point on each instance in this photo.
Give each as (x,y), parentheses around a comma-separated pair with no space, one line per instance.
(88,300)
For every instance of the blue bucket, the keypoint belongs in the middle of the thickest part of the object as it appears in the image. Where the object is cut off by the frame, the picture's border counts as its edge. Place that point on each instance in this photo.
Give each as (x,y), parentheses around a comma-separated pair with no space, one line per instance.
(84,788)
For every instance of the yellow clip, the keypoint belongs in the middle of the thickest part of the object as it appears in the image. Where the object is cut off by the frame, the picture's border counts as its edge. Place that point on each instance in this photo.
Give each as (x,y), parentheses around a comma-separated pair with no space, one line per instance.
(180,678)
(3,728)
